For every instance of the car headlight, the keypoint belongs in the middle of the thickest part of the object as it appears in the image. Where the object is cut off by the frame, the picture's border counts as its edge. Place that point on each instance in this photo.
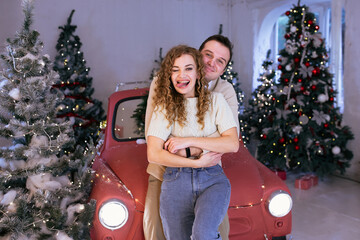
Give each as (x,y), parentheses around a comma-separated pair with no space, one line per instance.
(113,214)
(279,203)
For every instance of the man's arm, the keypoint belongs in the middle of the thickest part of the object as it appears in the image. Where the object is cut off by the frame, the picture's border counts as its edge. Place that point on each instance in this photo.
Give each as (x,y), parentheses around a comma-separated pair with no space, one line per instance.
(157,154)
(150,106)
(227,142)
(194,151)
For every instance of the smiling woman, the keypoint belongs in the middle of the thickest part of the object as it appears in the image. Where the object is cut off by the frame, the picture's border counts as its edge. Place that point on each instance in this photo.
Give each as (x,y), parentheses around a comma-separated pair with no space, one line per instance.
(184,75)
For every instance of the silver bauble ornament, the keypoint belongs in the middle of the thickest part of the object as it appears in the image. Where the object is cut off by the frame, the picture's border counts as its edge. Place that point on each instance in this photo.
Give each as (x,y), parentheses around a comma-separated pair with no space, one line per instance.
(336,150)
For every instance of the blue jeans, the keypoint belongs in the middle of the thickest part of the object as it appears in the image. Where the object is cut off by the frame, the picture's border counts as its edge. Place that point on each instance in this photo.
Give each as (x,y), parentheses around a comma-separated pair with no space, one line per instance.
(193,202)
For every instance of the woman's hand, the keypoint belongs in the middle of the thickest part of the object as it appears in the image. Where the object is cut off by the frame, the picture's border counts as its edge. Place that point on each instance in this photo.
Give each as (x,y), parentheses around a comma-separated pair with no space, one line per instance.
(209,159)
(174,144)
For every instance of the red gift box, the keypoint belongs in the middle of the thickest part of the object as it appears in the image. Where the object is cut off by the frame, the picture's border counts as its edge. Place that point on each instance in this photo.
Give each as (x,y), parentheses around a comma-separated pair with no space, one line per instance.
(314,179)
(280,173)
(303,183)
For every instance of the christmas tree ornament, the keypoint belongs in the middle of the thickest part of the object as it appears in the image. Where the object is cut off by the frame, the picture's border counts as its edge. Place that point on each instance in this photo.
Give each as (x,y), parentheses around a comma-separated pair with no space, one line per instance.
(303,120)
(314,55)
(335,150)
(322,98)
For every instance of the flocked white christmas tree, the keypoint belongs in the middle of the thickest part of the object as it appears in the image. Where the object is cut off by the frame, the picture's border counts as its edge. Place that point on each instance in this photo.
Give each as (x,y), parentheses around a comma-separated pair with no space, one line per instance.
(43,194)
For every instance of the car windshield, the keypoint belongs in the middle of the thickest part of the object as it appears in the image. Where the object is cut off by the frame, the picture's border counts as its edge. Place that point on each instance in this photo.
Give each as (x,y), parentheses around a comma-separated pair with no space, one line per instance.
(129,119)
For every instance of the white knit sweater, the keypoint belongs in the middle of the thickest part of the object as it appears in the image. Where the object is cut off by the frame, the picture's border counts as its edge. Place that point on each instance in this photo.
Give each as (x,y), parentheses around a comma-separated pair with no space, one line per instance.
(218,118)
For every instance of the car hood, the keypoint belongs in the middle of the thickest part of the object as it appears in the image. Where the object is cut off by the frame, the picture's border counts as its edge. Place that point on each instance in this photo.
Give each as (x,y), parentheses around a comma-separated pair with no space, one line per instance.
(129,162)
(247,185)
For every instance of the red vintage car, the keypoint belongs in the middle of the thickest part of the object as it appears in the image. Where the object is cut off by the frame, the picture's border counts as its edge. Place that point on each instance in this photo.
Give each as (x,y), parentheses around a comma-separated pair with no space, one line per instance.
(260,205)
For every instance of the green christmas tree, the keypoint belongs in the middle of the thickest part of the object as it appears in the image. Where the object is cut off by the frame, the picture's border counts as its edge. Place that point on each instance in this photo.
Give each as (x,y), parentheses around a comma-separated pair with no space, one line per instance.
(43,194)
(78,106)
(260,105)
(304,131)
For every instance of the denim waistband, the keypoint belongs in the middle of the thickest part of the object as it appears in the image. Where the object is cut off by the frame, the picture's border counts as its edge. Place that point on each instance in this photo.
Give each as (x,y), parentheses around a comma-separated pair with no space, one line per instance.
(189,169)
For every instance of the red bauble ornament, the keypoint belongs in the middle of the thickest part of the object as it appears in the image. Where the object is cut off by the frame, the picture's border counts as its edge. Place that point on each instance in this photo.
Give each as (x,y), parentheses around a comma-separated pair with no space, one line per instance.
(302,88)
(296,60)
(307,64)
(299,80)
(279,67)
(264,136)
(310,22)
(326,125)
(286,80)
(317,27)
(331,99)
(279,59)
(287,36)
(331,90)
(287,13)
(281,140)
(296,140)
(316,71)
(313,87)
(297,147)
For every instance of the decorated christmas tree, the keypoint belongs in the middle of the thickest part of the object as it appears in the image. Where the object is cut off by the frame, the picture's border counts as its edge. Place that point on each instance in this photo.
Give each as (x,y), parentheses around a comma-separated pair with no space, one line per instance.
(78,106)
(260,105)
(304,131)
(43,194)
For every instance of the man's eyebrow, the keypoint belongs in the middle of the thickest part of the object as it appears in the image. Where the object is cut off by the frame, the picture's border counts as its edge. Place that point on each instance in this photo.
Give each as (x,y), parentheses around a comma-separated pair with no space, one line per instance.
(206,50)
(224,59)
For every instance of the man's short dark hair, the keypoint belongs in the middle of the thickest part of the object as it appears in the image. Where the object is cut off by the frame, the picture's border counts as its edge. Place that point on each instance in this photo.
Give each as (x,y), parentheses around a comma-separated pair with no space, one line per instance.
(220,39)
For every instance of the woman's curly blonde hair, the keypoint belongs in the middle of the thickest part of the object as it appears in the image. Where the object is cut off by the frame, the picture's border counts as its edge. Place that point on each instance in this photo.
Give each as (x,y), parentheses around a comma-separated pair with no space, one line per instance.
(173,102)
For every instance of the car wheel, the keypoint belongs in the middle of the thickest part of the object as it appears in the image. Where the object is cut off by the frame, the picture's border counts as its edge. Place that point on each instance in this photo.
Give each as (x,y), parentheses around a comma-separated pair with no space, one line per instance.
(279,238)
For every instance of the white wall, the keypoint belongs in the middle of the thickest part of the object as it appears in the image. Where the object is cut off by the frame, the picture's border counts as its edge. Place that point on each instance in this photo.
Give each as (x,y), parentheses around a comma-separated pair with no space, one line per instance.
(121,39)
(351,115)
